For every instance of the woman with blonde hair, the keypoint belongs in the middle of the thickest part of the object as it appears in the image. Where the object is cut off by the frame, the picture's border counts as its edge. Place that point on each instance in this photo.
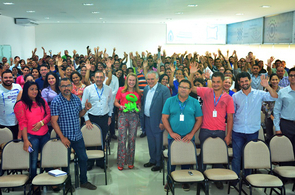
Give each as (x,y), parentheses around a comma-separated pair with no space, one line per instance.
(128,100)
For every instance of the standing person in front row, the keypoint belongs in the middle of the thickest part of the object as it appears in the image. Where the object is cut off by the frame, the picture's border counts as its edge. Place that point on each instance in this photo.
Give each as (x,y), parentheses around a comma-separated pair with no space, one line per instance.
(153,100)
(217,107)
(66,109)
(247,117)
(33,114)
(284,112)
(182,117)
(100,96)
(128,119)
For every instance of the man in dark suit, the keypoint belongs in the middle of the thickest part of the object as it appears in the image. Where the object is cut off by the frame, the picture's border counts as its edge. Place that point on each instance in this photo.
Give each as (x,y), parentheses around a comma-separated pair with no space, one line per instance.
(153,100)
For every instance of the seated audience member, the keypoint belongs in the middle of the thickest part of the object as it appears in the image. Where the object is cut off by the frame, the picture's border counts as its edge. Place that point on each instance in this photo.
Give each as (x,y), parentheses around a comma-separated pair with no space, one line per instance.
(36,74)
(28,78)
(78,86)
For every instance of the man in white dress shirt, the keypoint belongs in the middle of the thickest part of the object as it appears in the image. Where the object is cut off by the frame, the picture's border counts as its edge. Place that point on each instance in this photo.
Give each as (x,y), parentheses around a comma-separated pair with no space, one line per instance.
(101,98)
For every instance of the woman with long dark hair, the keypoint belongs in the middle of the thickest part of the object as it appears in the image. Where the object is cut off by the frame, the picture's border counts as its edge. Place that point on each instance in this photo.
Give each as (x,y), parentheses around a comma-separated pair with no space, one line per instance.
(120,76)
(50,87)
(268,106)
(33,114)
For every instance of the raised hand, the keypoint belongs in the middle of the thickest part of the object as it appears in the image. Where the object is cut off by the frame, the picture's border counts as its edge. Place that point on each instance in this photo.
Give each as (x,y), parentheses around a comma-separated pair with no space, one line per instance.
(87,64)
(145,64)
(264,81)
(159,48)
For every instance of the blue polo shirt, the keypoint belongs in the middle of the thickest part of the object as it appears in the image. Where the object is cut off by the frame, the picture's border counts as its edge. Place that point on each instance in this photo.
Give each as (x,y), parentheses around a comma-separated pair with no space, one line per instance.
(192,109)
(40,83)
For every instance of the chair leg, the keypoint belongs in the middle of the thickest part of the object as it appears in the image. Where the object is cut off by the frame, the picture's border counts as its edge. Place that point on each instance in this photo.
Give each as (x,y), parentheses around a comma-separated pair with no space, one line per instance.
(76,163)
(198,188)
(24,189)
(228,188)
(105,172)
(163,172)
(250,188)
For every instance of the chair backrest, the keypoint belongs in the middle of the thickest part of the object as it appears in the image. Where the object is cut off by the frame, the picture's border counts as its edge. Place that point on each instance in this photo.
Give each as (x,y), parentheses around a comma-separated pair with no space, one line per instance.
(214,151)
(54,154)
(256,155)
(281,149)
(261,134)
(197,140)
(5,135)
(182,153)
(165,138)
(52,134)
(14,157)
(92,137)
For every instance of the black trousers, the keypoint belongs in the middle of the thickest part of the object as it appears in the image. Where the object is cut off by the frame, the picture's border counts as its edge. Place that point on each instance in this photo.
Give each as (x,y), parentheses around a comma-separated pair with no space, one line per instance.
(288,129)
(102,121)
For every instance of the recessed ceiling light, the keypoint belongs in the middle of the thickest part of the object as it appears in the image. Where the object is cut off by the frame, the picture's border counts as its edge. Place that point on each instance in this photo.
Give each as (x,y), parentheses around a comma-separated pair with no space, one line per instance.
(192,5)
(104,22)
(8,3)
(168,18)
(58,21)
(179,13)
(95,12)
(239,14)
(31,11)
(88,4)
(46,18)
(100,18)
(265,6)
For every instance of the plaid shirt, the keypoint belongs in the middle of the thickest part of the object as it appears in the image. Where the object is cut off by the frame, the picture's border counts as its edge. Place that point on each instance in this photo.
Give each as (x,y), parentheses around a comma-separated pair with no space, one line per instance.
(68,115)
(284,82)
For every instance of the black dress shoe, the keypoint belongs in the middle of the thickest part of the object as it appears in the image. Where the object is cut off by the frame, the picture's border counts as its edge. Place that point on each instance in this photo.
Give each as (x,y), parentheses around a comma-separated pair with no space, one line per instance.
(156,168)
(149,164)
(114,137)
(143,134)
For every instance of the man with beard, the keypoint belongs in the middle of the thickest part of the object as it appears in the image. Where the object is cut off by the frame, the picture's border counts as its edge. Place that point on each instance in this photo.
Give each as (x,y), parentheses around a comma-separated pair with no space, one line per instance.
(10,93)
(247,118)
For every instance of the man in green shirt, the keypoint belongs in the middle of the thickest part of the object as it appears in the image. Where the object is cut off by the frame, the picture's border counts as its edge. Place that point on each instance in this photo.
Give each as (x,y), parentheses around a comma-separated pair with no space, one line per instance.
(182,117)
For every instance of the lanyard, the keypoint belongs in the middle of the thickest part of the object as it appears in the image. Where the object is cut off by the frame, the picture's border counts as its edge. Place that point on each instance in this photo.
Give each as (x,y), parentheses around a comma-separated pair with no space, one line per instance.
(99,95)
(215,103)
(182,107)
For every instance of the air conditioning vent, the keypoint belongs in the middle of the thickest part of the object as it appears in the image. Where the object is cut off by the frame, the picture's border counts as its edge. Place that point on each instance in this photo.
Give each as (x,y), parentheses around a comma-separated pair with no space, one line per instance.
(25,22)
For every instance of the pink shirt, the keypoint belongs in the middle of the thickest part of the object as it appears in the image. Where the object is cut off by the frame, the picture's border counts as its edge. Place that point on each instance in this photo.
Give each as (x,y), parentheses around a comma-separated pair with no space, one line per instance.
(121,97)
(27,118)
(20,80)
(224,106)
(78,91)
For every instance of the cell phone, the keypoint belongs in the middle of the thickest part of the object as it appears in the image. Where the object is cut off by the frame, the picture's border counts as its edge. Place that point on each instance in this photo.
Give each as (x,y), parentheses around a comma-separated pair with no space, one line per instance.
(191,173)
(30,149)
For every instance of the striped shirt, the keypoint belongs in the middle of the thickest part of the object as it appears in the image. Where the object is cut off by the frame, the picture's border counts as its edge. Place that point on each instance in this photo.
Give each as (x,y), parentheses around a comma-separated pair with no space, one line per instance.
(141,81)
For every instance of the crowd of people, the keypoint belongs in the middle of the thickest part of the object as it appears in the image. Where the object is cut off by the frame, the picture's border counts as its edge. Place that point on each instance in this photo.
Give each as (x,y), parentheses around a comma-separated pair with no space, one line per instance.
(219,95)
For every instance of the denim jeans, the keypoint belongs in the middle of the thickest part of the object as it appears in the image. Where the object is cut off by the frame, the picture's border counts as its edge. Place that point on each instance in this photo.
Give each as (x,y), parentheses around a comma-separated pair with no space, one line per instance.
(238,142)
(37,144)
(79,147)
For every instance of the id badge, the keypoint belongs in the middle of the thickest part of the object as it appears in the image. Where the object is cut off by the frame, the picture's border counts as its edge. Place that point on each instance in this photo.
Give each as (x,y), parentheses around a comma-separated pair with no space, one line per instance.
(181,117)
(214,113)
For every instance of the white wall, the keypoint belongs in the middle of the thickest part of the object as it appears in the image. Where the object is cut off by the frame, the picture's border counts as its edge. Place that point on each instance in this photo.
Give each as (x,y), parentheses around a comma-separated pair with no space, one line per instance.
(20,38)
(125,37)
(139,37)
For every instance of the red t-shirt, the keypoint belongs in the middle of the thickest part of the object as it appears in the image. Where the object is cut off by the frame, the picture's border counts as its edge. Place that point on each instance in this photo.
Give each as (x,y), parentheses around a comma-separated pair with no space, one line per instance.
(121,97)
(224,106)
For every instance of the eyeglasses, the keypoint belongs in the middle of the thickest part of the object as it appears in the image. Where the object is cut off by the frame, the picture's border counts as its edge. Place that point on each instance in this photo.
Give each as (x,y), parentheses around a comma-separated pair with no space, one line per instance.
(184,87)
(66,86)
(292,75)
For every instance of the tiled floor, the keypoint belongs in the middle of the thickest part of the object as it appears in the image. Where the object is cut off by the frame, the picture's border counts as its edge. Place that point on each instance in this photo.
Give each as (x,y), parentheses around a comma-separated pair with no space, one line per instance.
(138,181)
